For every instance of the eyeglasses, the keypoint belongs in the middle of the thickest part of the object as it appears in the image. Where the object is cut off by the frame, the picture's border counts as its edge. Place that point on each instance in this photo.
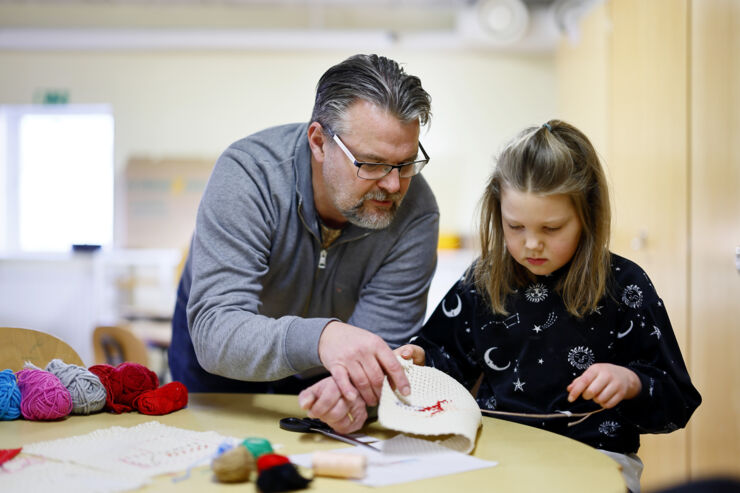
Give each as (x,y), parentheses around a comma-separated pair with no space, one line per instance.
(376,171)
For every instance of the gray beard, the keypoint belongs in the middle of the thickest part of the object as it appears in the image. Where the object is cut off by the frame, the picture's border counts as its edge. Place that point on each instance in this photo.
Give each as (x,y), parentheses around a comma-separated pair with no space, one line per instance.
(375,220)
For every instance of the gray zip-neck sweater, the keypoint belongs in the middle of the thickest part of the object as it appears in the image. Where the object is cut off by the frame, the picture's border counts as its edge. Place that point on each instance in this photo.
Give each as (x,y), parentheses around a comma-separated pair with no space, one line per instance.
(259,287)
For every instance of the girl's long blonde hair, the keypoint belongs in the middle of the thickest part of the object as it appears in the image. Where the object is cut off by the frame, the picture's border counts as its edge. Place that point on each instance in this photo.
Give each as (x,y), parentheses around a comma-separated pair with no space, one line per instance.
(555,158)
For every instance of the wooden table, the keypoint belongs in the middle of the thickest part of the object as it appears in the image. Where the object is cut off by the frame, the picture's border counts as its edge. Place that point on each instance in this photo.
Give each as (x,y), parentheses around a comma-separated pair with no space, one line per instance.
(529,459)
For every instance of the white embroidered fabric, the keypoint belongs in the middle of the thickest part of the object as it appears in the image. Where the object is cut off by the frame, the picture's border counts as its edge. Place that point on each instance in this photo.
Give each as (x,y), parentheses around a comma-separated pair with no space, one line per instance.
(438,405)
(143,451)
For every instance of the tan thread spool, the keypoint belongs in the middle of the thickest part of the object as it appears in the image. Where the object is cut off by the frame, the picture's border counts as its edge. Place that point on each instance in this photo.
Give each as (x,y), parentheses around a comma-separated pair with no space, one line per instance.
(233,466)
(351,466)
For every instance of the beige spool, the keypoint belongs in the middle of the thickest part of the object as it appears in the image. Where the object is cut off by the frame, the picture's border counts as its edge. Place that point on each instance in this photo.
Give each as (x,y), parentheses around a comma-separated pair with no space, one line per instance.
(350,466)
(233,466)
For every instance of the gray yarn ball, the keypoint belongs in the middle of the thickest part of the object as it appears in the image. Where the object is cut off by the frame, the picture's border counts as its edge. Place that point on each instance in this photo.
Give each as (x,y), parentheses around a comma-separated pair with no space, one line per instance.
(88,392)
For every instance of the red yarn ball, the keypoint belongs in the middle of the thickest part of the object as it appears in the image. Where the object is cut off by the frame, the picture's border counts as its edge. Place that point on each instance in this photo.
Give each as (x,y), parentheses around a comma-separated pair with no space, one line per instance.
(124,383)
(266,461)
(169,397)
(43,396)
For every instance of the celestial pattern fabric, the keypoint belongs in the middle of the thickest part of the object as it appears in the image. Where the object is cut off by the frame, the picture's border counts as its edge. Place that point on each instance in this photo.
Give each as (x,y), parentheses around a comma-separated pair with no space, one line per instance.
(529,356)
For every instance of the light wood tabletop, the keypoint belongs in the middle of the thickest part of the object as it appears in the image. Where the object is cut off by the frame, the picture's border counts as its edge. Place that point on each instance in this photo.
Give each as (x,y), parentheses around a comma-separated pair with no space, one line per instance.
(529,459)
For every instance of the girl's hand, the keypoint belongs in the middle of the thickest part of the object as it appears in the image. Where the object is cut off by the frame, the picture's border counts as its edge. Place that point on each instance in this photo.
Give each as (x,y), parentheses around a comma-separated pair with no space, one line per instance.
(412,352)
(324,400)
(605,384)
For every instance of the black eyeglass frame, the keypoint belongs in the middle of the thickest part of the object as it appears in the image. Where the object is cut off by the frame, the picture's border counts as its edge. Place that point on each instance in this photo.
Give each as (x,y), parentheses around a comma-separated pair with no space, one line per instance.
(414,166)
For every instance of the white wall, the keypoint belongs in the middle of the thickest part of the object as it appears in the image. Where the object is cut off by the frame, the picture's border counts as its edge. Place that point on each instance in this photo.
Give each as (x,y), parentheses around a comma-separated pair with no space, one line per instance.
(196,103)
(53,293)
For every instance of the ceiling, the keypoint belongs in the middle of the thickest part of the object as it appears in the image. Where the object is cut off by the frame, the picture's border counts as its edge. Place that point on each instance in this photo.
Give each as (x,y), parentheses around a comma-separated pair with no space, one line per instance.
(505,25)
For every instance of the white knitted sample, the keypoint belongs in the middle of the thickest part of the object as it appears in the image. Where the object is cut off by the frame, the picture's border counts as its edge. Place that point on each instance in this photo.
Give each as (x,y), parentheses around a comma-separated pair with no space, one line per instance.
(438,405)
(145,450)
(24,474)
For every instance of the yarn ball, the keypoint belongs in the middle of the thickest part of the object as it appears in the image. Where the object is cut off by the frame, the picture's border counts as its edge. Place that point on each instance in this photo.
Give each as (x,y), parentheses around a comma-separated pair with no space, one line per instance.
(43,397)
(166,399)
(267,461)
(257,446)
(124,383)
(88,392)
(10,396)
(282,476)
(233,466)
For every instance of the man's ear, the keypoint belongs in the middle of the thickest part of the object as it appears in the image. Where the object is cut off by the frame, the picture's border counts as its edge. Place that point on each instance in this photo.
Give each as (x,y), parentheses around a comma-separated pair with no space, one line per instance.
(316,140)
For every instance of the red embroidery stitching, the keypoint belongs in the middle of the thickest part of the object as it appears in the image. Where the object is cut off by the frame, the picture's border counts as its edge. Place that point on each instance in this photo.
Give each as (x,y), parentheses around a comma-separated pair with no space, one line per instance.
(434,409)
(437,408)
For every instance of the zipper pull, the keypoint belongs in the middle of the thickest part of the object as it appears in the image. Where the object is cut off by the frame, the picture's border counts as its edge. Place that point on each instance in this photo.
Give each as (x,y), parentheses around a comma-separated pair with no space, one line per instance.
(322,259)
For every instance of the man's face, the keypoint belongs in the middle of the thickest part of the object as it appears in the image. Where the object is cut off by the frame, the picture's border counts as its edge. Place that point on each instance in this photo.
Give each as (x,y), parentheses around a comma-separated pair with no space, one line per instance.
(371,135)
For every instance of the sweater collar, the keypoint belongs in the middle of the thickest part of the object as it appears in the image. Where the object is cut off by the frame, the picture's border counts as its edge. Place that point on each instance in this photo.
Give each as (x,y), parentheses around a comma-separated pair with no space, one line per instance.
(304,191)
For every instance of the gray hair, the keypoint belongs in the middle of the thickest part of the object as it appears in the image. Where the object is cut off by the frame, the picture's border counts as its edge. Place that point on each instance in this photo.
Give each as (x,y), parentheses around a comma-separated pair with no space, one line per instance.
(376,79)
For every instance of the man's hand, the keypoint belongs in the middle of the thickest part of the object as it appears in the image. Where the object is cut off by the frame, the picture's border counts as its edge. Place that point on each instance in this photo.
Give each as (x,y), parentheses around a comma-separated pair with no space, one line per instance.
(358,361)
(413,352)
(605,384)
(324,401)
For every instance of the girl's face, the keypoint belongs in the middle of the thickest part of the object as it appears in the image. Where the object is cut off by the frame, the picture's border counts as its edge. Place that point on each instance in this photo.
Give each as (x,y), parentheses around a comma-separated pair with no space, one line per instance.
(541,231)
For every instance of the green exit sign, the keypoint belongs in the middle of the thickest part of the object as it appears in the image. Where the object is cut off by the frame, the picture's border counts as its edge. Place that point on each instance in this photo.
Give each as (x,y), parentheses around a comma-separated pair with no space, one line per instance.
(51,96)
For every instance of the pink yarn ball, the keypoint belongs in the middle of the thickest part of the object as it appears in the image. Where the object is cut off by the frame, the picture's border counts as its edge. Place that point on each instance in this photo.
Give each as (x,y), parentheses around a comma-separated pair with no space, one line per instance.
(43,396)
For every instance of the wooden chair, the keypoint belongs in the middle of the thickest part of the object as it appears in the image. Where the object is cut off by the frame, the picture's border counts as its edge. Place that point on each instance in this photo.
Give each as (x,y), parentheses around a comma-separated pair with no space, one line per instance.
(21,345)
(113,345)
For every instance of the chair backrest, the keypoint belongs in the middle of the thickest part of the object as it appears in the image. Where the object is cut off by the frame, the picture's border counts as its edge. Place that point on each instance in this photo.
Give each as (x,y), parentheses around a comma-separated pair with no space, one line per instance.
(113,345)
(21,345)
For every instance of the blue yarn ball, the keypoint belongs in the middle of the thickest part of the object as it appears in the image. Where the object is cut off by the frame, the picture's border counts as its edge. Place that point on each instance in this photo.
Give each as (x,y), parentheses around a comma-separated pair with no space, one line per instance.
(10,396)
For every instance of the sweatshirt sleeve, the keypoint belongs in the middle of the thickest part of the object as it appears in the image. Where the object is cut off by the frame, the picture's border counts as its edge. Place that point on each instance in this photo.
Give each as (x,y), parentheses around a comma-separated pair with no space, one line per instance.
(447,336)
(236,221)
(648,346)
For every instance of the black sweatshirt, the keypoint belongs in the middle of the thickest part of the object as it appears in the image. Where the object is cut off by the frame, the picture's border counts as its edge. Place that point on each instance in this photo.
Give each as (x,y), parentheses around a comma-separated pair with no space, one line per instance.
(529,357)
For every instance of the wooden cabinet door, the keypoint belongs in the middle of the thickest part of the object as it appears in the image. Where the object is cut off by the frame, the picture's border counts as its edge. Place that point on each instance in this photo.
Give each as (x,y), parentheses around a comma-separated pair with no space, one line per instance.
(649,169)
(715,235)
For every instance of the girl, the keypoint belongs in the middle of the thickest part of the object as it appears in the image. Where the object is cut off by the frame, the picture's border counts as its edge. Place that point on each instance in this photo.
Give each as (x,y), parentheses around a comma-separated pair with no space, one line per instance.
(549,319)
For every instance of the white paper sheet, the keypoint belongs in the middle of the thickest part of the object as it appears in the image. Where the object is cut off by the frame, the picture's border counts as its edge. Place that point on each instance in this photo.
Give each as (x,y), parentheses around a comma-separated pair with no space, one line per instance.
(405,459)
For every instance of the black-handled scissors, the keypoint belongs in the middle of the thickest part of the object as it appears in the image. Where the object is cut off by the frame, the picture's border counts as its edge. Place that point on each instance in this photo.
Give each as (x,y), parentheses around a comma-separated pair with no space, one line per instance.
(313,425)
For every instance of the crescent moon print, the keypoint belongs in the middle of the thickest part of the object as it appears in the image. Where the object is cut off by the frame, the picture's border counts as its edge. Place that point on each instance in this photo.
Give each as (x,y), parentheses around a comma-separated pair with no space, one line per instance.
(622,334)
(490,363)
(453,312)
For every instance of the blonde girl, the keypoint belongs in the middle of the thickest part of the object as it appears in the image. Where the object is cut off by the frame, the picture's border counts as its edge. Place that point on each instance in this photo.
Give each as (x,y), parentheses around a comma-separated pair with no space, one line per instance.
(548,318)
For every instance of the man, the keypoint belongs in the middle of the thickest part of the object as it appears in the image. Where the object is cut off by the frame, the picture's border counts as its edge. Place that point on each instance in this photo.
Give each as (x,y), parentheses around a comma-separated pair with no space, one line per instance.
(314,245)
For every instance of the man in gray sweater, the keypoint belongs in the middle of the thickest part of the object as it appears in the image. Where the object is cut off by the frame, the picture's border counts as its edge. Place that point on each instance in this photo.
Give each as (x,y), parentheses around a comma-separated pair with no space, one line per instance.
(314,245)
